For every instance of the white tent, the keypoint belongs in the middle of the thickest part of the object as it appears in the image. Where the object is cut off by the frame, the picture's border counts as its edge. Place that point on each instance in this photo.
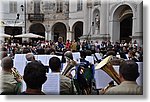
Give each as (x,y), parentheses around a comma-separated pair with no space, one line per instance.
(2,35)
(28,35)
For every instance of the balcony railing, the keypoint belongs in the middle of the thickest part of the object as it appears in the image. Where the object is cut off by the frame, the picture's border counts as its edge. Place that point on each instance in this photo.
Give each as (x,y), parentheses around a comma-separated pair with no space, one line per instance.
(36,17)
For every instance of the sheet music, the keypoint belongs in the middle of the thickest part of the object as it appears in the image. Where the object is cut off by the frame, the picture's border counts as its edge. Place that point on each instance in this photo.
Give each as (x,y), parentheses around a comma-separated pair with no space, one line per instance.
(140,78)
(64,65)
(48,57)
(52,85)
(76,56)
(127,56)
(20,62)
(90,59)
(116,68)
(23,86)
(43,59)
(36,57)
(60,57)
(102,79)
(99,57)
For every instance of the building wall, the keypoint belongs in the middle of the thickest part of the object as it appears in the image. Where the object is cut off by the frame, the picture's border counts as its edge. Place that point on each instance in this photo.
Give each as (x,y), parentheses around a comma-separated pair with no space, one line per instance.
(9,18)
(108,27)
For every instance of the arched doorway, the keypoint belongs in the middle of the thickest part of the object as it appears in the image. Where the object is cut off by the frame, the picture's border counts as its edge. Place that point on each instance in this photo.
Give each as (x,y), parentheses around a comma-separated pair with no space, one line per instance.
(59,30)
(122,23)
(37,28)
(77,30)
(126,28)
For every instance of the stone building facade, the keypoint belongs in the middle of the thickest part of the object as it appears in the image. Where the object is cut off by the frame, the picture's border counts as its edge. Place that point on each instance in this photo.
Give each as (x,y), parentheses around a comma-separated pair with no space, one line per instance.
(96,20)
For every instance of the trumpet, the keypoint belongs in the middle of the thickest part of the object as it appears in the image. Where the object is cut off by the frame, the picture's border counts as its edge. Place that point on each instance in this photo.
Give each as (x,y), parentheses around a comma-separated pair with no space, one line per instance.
(16,73)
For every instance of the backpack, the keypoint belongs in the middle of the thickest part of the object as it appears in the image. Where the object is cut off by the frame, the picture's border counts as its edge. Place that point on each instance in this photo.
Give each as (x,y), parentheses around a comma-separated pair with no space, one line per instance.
(84,77)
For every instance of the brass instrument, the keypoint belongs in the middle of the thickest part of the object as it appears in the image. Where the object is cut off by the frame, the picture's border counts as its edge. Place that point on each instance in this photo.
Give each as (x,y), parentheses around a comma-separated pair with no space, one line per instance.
(110,84)
(16,73)
(70,65)
(107,67)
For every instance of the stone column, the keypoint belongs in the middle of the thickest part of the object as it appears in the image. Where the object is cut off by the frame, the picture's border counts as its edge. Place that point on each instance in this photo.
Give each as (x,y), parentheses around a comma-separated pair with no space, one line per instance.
(104,20)
(86,27)
(69,34)
(138,25)
(48,35)
(115,30)
(86,19)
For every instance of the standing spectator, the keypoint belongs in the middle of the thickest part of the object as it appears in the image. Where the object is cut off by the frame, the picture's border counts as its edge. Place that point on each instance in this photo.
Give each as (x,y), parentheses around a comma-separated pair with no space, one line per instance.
(68,45)
(97,46)
(60,44)
(74,46)
(92,47)
(78,46)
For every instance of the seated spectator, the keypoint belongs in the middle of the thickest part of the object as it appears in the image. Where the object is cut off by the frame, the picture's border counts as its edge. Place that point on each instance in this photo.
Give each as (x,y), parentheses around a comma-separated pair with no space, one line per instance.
(128,73)
(26,50)
(131,56)
(66,86)
(11,85)
(34,77)
(40,50)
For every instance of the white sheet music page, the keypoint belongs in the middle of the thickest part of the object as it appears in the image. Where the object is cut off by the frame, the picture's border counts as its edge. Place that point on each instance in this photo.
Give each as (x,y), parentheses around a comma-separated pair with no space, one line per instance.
(52,85)
(102,79)
(90,59)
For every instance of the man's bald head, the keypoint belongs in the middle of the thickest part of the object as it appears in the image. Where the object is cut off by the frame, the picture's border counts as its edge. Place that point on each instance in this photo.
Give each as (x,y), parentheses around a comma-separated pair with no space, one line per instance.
(6,63)
(30,57)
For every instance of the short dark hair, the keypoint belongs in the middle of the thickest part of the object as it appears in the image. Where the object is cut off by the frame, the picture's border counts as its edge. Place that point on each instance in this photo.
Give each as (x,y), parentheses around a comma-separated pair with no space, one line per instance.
(82,54)
(55,64)
(34,75)
(129,70)
(111,53)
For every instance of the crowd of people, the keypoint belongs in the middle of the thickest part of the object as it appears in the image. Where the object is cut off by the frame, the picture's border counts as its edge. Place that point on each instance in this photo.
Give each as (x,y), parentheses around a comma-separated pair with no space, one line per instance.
(35,72)
(49,47)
